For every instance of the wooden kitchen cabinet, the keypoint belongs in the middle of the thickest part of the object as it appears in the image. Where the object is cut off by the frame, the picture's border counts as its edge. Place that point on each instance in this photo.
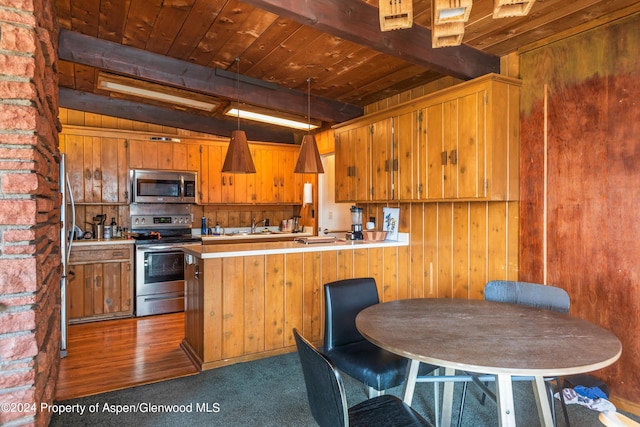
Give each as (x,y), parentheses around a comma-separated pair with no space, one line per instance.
(384,162)
(168,155)
(100,282)
(97,168)
(456,147)
(219,187)
(275,179)
(352,164)
(460,143)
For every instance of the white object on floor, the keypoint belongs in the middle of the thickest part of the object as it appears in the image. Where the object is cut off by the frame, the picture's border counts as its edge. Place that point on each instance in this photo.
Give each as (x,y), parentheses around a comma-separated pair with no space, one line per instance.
(571,397)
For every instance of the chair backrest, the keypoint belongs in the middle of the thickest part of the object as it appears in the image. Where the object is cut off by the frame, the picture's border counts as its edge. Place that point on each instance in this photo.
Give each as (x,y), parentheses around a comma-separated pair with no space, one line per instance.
(343,300)
(531,294)
(325,390)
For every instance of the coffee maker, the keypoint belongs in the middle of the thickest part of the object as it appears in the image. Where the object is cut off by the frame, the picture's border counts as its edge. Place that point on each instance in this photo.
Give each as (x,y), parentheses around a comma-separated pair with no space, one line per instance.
(356,224)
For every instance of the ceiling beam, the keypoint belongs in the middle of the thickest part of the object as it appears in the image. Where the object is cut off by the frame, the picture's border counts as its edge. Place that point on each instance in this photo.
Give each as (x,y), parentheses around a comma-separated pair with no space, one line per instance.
(141,64)
(84,101)
(359,22)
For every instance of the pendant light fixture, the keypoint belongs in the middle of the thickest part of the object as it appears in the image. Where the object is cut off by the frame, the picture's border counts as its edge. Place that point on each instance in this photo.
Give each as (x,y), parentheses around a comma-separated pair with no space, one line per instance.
(238,158)
(309,158)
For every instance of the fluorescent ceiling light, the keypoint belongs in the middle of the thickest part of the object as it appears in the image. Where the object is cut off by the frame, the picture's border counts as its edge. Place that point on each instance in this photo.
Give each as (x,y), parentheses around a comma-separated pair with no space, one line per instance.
(265,118)
(158,96)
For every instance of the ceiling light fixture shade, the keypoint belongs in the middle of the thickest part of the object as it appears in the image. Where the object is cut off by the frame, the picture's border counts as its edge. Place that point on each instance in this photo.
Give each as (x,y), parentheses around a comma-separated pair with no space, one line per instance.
(449,34)
(395,14)
(448,18)
(308,157)
(238,158)
(445,11)
(508,8)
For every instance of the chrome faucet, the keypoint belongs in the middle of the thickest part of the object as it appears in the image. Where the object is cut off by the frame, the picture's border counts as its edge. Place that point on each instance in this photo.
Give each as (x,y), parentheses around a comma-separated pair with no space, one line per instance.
(255,224)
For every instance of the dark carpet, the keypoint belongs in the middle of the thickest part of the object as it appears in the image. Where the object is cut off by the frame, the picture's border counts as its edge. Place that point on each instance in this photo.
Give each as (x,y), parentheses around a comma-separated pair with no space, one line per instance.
(271,393)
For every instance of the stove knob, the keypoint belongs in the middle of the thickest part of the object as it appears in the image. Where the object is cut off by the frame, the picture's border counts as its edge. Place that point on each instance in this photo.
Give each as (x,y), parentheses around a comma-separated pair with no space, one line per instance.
(142,221)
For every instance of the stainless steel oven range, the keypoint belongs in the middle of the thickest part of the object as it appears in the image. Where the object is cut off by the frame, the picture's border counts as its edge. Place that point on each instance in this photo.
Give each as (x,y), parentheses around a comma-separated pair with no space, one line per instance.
(159,263)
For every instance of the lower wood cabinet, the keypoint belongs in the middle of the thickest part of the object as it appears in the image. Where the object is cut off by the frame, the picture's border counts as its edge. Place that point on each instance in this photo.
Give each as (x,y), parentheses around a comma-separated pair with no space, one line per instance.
(100,282)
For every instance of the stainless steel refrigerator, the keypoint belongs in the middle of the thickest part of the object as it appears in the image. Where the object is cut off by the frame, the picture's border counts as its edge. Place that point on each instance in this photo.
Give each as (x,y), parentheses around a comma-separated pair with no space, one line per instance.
(67,231)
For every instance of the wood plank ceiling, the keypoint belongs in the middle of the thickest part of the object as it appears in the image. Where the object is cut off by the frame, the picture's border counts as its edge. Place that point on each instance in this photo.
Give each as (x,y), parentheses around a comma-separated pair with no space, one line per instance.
(193,45)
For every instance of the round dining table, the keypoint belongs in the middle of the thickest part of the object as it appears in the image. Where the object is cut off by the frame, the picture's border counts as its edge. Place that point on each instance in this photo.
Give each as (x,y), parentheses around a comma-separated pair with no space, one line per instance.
(501,339)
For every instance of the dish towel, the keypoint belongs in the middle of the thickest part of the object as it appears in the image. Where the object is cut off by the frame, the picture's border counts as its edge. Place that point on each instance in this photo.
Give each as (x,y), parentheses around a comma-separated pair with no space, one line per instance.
(600,404)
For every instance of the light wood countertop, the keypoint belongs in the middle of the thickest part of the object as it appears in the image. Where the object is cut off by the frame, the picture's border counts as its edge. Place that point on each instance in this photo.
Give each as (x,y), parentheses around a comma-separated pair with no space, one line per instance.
(227,250)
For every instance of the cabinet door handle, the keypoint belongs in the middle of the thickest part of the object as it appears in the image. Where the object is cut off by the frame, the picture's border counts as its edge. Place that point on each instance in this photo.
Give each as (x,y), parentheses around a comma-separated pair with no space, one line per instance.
(87,174)
(281,182)
(196,273)
(275,181)
(118,254)
(231,180)
(97,175)
(454,157)
(445,157)
(224,180)
(395,165)
(386,165)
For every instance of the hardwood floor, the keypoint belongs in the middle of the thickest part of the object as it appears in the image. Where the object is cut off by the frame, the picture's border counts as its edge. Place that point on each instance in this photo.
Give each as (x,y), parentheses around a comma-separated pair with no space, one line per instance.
(116,354)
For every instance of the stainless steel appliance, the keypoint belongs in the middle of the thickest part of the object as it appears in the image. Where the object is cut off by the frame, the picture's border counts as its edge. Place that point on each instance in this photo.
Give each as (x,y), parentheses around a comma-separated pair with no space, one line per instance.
(163,186)
(160,230)
(67,233)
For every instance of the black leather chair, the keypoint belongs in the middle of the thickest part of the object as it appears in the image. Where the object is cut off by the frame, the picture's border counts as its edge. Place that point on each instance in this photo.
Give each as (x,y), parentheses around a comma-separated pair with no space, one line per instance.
(328,401)
(533,295)
(377,368)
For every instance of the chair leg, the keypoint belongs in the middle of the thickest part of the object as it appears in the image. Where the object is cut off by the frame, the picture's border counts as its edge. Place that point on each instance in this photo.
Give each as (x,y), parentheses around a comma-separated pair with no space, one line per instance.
(552,403)
(562,402)
(464,394)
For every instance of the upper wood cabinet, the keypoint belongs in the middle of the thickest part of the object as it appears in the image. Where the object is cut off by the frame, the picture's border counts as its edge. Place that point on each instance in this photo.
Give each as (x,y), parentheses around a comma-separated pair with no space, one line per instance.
(97,168)
(460,143)
(353,164)
(219,187)
(98,161)
(168,155)
(275,179)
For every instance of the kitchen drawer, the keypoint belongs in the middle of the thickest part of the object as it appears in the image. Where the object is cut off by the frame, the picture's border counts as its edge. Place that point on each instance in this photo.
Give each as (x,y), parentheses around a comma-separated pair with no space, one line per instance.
(100,253)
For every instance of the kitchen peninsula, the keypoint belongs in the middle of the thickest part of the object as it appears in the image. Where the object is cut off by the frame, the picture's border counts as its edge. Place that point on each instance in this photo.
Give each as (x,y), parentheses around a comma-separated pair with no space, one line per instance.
(242,300)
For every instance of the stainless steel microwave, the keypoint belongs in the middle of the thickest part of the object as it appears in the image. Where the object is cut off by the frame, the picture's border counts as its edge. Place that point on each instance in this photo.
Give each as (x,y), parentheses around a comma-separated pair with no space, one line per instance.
(163,186)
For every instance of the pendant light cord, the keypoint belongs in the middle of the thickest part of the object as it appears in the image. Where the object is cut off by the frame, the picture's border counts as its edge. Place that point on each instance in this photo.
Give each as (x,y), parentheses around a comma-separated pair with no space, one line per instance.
(238,88)
(308,105)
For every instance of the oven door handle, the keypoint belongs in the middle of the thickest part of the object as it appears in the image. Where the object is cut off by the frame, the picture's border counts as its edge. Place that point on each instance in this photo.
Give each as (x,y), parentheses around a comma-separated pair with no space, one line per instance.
(157,248)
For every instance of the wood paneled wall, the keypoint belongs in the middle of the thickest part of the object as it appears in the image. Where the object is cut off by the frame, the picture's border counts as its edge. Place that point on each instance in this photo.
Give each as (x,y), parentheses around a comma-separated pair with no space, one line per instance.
(455,248)
(581,115)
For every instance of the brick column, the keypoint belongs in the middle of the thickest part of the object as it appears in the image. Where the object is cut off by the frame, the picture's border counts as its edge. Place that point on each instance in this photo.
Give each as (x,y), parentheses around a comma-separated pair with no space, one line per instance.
(30,260)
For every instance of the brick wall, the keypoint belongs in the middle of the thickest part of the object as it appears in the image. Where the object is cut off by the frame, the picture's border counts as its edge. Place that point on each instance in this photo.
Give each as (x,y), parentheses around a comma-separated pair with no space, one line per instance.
(29,211)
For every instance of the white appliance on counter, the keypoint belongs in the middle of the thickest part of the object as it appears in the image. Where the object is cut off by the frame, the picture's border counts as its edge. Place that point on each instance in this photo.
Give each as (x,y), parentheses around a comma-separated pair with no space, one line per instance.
(67,233)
